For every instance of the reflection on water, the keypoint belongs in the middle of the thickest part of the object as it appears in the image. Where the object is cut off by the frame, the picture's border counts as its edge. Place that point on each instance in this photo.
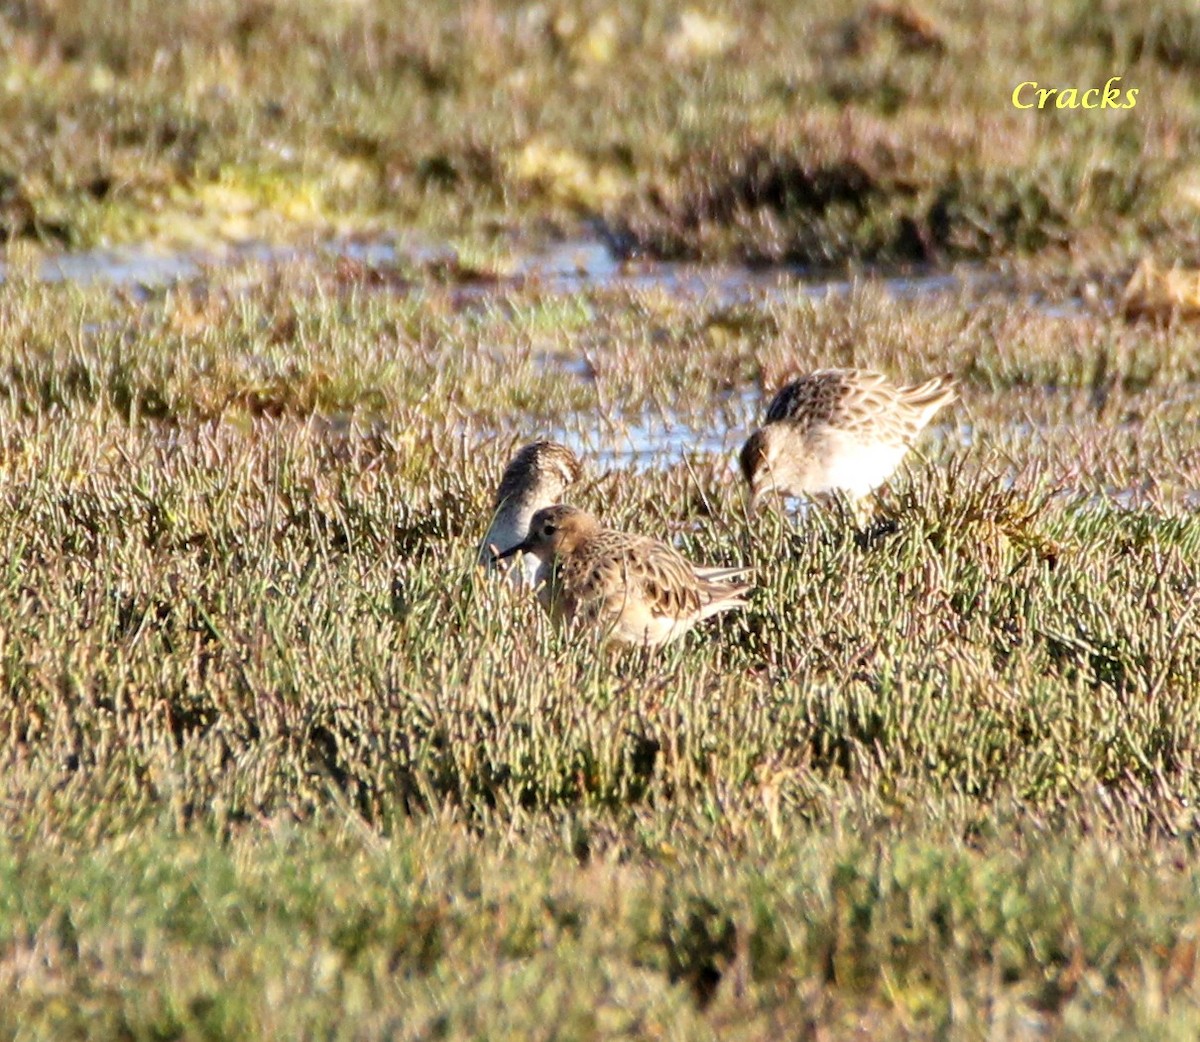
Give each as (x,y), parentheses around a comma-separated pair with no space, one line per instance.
(660,438)
(649,443)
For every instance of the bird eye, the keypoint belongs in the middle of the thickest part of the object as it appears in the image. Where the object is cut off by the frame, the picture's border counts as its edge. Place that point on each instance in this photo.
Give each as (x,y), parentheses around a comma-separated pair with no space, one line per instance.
(549,529)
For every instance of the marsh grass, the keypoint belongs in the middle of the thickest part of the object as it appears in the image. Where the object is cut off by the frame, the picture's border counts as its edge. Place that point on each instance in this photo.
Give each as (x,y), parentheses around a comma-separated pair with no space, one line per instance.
(815,133)
(278,761)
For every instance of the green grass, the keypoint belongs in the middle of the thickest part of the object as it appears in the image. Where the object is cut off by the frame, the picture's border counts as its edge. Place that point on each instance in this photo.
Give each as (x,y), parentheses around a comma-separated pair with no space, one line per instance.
(275,761)
(563,930)
(813,133)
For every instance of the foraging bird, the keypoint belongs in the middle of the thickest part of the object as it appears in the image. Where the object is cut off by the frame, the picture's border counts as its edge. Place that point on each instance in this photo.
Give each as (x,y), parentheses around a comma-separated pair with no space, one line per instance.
(838,430)
(637,589)
(535,477)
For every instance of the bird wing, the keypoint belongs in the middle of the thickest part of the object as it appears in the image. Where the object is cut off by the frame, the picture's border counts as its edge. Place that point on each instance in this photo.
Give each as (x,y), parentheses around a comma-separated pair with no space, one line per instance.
(828,396)
(851,401)
(623,571)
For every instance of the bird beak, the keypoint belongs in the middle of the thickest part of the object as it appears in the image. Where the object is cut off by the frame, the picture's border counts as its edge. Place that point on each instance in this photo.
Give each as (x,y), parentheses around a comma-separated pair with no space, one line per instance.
(758,495)
(519,548)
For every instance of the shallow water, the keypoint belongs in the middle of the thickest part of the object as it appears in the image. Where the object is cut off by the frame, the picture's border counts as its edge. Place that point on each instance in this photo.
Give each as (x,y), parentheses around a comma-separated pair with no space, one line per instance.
(650,442)
(576,266)
(151,266)
(566,267)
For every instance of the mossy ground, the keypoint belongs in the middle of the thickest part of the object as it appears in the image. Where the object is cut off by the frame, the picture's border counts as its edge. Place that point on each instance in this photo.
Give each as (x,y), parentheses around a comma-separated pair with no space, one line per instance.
(278,762)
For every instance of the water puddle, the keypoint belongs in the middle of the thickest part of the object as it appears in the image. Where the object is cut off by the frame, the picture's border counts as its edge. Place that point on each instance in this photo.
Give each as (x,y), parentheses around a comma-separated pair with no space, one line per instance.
(151,267)
(568,267)
(652,443)
(577,266)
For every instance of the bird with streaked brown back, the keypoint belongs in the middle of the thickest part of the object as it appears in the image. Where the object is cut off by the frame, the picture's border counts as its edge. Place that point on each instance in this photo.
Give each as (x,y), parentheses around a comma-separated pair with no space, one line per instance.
(535,477)
(634,589)
(838,431)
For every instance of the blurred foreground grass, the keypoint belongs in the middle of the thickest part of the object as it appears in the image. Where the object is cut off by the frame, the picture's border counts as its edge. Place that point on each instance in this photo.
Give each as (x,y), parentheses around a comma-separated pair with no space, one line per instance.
(943,923)
(814,133)
(275,762)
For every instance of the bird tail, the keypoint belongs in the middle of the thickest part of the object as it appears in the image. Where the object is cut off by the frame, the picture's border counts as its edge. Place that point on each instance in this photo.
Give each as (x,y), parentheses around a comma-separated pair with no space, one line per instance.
(726,597)
(719,573)
(930,396)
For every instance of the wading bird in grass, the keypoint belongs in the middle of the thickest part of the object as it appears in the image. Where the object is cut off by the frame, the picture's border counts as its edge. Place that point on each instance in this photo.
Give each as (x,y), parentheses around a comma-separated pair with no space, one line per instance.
(838,431)
(535,477)
(634,589)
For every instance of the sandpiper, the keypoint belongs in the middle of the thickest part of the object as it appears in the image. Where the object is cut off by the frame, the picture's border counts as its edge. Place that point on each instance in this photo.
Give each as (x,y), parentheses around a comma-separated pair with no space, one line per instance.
(838,431)
(535,477)
(635,589)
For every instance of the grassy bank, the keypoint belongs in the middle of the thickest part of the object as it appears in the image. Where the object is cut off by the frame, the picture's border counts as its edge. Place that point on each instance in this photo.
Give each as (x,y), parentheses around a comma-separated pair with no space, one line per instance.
(274,760)
(810,133)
